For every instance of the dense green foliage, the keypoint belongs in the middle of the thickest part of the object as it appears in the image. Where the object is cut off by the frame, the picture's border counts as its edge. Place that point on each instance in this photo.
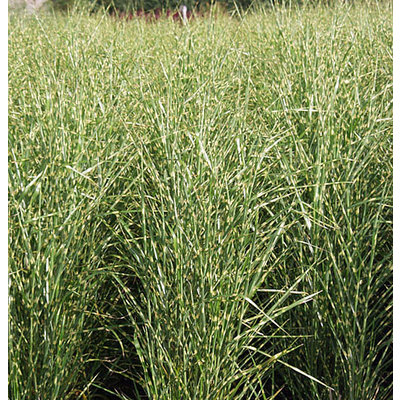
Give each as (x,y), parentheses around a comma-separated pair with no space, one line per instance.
(201,211)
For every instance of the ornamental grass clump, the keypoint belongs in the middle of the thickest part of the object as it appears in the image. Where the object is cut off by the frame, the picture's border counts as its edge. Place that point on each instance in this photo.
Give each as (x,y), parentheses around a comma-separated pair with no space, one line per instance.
(201,211)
